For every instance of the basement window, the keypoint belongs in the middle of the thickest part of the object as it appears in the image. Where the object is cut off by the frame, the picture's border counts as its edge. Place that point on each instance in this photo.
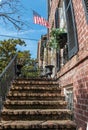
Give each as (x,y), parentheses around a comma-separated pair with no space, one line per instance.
(68,91)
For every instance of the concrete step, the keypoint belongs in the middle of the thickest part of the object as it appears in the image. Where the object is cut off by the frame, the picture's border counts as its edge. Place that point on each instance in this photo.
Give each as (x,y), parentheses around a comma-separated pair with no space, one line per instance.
(39,114)
(35,104)
(36,88)
(38,125)
(35,96)
(35,82)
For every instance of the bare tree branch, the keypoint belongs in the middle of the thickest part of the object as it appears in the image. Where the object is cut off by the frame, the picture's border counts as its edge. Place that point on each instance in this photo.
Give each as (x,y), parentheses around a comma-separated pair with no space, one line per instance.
(10,12)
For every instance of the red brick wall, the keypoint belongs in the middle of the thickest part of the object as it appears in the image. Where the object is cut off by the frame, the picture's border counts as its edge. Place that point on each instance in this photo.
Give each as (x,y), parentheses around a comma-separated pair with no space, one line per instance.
(82,26)
(80,84)
(75,71)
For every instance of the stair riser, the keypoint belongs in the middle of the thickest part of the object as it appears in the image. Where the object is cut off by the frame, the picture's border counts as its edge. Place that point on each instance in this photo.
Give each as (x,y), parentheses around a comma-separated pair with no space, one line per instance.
(37,94)
(54,127)
(35,82)
(36,98)
(38,83)
(45,86)
(61,116)
(33,106)
(35,91)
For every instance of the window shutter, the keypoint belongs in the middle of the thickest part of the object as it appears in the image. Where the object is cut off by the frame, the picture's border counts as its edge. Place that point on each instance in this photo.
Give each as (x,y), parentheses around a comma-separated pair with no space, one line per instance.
(85,2)
(71,28)
(57,18)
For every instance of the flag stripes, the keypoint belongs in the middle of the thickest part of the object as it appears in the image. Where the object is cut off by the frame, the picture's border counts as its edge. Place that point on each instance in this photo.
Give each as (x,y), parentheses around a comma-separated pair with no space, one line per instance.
(40,20)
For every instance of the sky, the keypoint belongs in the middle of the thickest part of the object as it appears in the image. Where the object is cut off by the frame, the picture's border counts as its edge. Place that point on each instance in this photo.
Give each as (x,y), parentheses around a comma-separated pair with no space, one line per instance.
(34,31)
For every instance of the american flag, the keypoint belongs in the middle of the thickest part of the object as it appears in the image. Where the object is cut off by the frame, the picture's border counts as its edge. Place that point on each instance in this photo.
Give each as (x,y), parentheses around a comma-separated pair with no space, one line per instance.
(40,20)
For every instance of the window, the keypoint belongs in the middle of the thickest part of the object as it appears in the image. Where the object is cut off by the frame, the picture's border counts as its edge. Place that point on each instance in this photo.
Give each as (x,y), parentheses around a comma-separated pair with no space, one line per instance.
(60,18)
(71,29)
(60,22)
(85,2)
(68,91)
(57,18)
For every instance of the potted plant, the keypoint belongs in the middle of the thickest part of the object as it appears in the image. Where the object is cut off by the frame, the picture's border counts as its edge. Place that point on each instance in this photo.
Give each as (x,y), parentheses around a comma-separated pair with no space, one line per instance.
(58,38)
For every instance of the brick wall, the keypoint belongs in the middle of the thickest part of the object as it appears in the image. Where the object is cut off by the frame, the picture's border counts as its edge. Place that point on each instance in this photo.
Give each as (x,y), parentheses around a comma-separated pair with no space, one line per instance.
(75,71)
(80,84)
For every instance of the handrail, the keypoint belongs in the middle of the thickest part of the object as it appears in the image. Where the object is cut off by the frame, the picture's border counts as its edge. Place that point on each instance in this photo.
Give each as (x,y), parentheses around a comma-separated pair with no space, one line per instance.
(6,78)
(1,75)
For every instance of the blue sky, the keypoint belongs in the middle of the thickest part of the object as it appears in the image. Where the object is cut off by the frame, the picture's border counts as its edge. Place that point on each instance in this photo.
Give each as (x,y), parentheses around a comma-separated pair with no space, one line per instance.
(34,31)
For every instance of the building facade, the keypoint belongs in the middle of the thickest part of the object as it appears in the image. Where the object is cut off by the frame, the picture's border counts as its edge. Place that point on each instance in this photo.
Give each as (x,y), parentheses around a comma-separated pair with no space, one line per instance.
(71,61)
(42,52)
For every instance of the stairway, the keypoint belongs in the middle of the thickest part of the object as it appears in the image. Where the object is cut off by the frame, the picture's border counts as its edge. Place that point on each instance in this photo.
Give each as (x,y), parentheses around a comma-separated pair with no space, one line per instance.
(36,104)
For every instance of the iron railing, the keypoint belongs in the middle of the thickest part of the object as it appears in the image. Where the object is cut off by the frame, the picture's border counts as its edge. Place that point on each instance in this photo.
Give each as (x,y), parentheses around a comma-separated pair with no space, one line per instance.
(6,78)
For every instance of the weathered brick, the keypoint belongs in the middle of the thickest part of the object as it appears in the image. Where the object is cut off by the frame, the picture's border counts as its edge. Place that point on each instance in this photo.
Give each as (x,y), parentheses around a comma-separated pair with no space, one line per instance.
(75,71)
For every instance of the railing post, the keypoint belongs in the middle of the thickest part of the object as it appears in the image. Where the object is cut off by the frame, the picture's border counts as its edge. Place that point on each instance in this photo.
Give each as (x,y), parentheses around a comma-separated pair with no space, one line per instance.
(15,66)
(0,105)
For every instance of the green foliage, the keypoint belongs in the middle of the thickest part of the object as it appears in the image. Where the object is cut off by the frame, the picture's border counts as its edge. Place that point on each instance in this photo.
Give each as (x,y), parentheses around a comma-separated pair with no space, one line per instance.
(7,50)
(29,69)
(8,47)
(23,57)
(54,37)
(11,14)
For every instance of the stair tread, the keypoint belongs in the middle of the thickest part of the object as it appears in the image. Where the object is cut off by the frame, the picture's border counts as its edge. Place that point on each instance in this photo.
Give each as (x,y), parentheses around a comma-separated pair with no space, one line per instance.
(37,123)
(35,82)
(36,111)
(35,88)
(34,94)
(34,102)
(36,114)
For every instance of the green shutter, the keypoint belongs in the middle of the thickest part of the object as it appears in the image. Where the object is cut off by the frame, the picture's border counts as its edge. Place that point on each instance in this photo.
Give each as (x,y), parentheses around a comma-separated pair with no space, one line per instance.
(71,28)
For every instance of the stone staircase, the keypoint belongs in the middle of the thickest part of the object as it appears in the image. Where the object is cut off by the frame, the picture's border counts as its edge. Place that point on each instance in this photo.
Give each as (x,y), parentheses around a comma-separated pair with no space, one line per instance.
(36,104)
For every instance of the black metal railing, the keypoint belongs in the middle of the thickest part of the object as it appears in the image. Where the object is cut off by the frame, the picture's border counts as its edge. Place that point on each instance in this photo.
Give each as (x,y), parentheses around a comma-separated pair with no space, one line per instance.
(6,78)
